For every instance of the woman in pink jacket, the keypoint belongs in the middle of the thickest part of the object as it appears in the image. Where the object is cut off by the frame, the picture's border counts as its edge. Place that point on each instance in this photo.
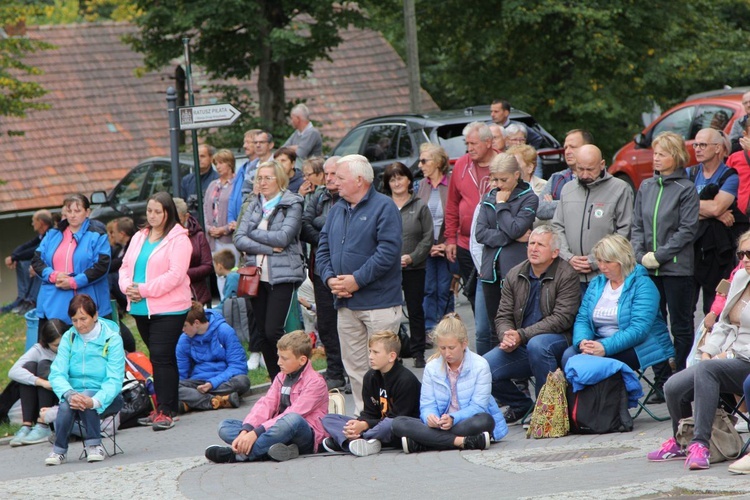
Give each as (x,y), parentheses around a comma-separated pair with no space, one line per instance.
(154,278)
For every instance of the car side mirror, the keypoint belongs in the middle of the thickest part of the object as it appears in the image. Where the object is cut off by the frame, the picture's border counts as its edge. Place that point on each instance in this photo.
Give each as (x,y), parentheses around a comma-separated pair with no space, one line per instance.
(642,141)
(98,197)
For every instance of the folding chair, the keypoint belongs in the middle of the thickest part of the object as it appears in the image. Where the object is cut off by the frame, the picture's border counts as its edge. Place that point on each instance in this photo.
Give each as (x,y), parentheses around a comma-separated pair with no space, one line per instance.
(652,389)
(105,433)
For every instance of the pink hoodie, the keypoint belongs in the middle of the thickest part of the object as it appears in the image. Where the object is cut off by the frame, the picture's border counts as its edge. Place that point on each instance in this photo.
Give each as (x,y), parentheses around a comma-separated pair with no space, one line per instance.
(167,285)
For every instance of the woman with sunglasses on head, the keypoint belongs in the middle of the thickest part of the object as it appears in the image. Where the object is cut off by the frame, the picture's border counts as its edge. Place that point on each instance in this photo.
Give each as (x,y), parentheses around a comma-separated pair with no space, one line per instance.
(665,222)
(724,366)
(439,271)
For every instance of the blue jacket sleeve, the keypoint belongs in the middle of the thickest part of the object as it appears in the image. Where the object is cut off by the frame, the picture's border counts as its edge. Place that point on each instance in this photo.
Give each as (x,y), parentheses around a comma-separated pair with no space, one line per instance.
(235,199)
(100,268)
(58,374)
(388,247)
(184,363)
(236,357)
(583,329)
(643,305)
(323,254)
(427,402)
(114,373)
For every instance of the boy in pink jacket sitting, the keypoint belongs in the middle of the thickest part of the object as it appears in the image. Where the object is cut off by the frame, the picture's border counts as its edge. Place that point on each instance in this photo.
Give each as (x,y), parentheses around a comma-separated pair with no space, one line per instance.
(287,420)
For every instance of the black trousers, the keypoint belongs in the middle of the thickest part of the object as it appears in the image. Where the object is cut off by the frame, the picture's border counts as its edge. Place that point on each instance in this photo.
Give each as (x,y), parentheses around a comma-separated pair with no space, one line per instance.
(33,397)
(271,308)
(412,283)
(492,294)
(160,333)
(438,439)
(466,268)
(327,329)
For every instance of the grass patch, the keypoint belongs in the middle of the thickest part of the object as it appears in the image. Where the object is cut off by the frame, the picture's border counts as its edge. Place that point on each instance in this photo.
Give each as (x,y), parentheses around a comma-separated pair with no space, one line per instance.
(12,343)
(260,375)
(8,429)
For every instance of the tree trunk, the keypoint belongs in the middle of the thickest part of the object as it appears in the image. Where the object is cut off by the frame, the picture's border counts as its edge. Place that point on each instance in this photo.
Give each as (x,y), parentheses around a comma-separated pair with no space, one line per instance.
(271,97)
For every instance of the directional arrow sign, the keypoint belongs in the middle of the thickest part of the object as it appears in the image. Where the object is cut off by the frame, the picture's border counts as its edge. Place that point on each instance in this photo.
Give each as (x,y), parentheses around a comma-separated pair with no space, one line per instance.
(214,115)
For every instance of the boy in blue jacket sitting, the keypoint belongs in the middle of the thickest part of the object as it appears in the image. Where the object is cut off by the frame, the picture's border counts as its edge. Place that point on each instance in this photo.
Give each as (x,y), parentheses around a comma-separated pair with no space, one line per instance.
(211,361)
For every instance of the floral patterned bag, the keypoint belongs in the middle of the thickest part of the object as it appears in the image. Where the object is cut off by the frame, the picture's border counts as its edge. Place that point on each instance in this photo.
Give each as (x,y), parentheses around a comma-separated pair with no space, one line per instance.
(550,417)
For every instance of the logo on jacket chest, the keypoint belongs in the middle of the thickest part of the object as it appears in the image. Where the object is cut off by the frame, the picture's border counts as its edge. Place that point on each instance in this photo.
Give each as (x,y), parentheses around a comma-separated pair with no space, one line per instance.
(599,210)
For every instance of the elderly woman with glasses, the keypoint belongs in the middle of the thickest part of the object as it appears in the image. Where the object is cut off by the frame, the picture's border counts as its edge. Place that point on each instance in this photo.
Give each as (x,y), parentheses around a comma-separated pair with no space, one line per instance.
(268,234)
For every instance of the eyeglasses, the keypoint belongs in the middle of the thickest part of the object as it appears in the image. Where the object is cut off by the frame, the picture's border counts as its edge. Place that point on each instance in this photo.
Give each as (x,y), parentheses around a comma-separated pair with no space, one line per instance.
(703,145)
(422,161)
(743,254)
(265,179)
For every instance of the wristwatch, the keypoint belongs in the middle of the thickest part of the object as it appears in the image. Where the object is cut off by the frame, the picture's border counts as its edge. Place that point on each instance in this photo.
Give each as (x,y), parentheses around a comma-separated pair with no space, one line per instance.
(730,354)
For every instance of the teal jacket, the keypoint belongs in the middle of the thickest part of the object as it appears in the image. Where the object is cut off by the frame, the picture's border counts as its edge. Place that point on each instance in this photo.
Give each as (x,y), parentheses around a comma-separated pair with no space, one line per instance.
(641,324)
(97,366)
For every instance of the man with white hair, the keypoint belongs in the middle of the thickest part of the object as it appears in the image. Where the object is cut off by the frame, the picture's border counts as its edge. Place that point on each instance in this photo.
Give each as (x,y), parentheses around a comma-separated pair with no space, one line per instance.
(305,141)
(359,260)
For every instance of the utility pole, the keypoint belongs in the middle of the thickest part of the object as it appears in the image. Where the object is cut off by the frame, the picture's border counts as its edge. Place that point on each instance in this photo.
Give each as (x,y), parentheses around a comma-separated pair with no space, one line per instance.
(194,133)
(412,56)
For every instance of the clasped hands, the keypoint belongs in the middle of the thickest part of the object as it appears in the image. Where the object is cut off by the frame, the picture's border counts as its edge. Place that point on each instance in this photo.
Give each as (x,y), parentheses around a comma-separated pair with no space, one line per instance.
(444,423)
(80,402)
(591,347)
(343,285)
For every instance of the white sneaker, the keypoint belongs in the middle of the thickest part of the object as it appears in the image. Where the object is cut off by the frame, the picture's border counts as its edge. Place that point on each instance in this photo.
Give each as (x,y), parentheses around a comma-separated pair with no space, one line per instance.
(253,361)
(364,447)
(55,458)
(741,425)
(95,453)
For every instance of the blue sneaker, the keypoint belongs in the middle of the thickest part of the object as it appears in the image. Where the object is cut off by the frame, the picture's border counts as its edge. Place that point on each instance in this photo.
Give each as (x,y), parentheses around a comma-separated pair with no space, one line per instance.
(19,435)
(39,434)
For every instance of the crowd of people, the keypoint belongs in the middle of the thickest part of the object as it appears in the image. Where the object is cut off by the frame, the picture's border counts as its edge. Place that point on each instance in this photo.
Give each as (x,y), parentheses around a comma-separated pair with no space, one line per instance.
(575,265)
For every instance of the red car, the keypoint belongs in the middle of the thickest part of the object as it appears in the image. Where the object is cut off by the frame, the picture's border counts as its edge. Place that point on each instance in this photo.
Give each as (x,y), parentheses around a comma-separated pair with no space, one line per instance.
(718,109)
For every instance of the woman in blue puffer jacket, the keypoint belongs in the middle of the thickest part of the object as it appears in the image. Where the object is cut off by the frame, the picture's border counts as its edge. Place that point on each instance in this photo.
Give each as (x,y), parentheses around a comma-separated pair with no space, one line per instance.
(619,315)
(456,407)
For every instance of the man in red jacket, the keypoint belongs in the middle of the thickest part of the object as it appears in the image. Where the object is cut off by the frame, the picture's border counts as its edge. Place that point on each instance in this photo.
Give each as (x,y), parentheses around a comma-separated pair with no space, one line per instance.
(469,182)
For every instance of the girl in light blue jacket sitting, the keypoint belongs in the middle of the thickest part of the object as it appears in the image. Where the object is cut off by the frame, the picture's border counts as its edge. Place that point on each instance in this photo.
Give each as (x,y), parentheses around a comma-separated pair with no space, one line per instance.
(456,408)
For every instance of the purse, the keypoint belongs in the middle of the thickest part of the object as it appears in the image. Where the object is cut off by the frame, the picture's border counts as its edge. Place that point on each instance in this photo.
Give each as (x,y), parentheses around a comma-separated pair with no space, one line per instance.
(550,417)
(726,443)
(249,281)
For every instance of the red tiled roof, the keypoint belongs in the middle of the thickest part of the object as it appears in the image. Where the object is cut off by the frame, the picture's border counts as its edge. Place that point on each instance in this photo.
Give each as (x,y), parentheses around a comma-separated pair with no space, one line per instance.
(104,119)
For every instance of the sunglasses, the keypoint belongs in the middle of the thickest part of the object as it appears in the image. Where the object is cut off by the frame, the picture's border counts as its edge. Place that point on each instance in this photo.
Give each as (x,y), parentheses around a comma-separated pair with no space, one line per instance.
(743,253)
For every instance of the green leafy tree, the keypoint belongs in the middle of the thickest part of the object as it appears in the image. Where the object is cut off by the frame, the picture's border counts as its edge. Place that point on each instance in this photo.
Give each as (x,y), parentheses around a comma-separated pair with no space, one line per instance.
(18,94)
(233,38)
(595,64)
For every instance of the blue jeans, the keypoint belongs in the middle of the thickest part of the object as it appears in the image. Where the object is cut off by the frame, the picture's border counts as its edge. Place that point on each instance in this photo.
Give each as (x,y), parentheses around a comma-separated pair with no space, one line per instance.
(334,425)
(538,357)
(289,429)
(438,299)
(482,323)
(90,420)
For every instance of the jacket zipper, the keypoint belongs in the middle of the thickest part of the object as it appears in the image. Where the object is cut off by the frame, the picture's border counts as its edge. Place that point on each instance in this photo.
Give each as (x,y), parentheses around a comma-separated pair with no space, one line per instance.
(653,224)
(583,219)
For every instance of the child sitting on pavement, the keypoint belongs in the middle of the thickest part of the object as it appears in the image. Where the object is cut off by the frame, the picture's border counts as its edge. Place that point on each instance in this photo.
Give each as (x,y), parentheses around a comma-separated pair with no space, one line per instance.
(388,390)
(286,422)
(211,361)
(225,267)
(456,406)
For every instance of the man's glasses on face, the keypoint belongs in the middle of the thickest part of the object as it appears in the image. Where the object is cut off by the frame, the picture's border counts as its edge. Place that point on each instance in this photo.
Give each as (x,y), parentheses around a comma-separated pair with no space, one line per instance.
(703,145)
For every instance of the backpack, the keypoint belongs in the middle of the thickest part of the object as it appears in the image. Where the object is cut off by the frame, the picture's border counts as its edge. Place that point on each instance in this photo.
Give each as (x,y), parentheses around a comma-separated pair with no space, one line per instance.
(136,402)
(600,408)
(550,417)
(236,314)
(725,443)
(336,402)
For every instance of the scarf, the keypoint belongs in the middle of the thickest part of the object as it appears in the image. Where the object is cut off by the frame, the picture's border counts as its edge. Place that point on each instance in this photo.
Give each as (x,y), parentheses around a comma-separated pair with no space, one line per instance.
(269,205)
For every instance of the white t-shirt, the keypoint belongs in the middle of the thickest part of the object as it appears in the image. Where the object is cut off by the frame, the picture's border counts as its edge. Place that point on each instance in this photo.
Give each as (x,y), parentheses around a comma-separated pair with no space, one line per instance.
(605,312)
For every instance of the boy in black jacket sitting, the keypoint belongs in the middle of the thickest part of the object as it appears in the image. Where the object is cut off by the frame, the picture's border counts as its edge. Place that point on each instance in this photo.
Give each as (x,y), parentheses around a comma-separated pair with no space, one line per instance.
(389,390)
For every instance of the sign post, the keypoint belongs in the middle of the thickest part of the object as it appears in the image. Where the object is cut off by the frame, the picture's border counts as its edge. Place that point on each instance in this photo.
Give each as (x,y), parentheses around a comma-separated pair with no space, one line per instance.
(213,115)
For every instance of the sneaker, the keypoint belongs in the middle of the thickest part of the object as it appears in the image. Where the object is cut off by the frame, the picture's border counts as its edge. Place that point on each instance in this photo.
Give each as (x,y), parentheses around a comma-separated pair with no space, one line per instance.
(283,452)
(698,456)
(411,446)
(39,434)
(478,442)
(742,426)
(419,361)
(55,458)
(514,415)
(147,420)
(364,447)
(669,450)
(741,466)
(253,362)
(656,398)
(330,445)
(95,453)
(20,435)
(221,454)
(335,383)
(162,422)
(182,408)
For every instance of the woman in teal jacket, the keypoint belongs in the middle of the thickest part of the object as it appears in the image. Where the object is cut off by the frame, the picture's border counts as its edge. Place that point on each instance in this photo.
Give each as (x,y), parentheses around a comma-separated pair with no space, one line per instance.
(87,376)
(619,316)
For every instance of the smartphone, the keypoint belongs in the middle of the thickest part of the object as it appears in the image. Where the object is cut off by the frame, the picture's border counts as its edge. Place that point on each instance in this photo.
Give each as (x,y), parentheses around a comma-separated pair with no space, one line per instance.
(723,287)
